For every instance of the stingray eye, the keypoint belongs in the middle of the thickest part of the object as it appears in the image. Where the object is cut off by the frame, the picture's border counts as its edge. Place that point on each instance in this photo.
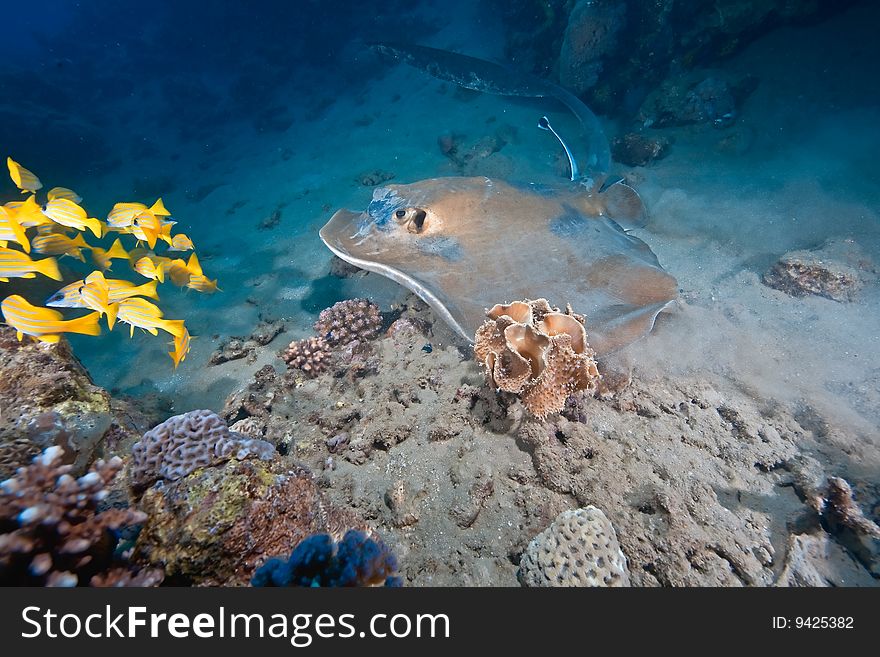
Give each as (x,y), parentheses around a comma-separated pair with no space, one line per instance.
(400,214)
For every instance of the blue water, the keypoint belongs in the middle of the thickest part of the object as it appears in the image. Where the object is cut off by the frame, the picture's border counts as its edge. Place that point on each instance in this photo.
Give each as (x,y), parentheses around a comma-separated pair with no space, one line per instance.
(230,111)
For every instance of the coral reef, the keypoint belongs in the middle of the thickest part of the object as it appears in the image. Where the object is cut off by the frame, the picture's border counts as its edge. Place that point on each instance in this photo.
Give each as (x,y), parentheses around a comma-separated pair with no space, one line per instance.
(356,560)
(184,443)
(349,320)
(216,525)
(311,355)
(580,548)
(47,399)
(53,532)
(590,37)
(533,350)
(637,150)
(835,271)
(247,347)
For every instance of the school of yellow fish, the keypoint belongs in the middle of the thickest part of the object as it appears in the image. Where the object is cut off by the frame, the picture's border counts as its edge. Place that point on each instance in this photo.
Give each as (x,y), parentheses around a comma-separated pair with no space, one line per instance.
(58,228)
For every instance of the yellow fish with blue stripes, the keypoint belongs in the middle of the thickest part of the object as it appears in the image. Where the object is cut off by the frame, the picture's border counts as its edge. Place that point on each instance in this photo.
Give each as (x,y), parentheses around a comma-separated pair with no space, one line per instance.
(181,347)
(65,212)
(59,244)
(42,323)
(103,258)
(63,192)
(197,280)
(70,296)
(12,231)
(25,180)
(15,264)
(28,212)
(140,313)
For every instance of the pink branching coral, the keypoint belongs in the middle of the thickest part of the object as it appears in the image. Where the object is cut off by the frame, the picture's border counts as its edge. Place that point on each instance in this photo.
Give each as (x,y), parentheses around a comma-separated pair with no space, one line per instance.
(52,533)
(311,355)
(345,321)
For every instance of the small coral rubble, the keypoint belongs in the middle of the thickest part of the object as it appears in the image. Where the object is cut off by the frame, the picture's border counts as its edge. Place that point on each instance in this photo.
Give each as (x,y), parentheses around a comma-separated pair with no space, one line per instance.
(186,442)
(532,349)
(580,548)
(356,560)
(53,533)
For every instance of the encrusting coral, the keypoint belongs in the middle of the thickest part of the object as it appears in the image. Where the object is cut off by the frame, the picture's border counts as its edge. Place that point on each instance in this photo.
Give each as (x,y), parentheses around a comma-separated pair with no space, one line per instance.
(52,533)
(356,560)
(183,443)
(349,320)
(580,548)
(311,355)
(537,352)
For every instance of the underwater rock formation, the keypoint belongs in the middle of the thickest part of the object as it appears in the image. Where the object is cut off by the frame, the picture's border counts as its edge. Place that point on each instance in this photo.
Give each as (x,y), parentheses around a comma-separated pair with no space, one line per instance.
(311,355)
(349,320)
(184,443)
(246,347)
(357,560)
(834,271)
(636,150)
(47,399)
(580,548)
(590,37)
(846,520)
(54,534)
(216,525)
(694,98)
(533,350)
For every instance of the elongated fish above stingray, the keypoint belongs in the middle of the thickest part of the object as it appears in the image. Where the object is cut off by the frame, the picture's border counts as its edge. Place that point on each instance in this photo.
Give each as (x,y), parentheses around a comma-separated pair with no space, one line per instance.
(465,244)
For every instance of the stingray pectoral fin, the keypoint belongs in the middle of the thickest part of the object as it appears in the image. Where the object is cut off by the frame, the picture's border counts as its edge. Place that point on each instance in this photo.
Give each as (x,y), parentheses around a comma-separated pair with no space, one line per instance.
(623,204)
(623,326)
(345,236)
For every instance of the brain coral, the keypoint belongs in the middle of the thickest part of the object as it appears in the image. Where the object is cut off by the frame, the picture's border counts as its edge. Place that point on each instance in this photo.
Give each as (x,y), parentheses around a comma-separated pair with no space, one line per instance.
(580,548)
(183,443)
(311,355)
(532,349)
(346,321)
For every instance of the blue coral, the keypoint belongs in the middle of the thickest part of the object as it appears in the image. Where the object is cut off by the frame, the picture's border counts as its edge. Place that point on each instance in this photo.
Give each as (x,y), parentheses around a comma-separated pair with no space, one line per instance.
(356,560)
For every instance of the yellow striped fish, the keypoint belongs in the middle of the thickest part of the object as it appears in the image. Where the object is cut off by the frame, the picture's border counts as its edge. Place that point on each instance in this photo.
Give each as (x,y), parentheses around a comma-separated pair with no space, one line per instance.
(15,264)
(197,280)
(70,296)
(104,258)
(67,213)
(42,323)
(123,214)
(28,212)
(150,268)
(63,192)
(95,295)
(57,244)
(142,314)
(12,231)
(25,180)
(181,242)
(181,348)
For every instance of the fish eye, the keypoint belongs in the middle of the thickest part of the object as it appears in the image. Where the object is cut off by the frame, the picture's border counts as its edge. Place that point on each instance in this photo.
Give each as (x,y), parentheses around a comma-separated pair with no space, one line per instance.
(400,214)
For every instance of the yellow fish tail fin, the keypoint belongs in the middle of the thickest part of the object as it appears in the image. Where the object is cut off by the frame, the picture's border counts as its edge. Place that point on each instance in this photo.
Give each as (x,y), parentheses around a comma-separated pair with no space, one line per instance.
(95,226)
(78,254)
(87,325)
(112,310)
(117,250)
(194,266)
(149,290)
(80,242)
(158,208)
(174,326)
(160,273)
(48,267)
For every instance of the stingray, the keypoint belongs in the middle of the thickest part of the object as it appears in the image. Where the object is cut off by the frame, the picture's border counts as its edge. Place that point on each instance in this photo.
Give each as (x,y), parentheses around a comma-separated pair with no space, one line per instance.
(464,244)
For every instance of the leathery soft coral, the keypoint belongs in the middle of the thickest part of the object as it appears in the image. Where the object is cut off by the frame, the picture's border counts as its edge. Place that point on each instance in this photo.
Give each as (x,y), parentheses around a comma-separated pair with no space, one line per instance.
(356,560)
(52,533)
(537,352)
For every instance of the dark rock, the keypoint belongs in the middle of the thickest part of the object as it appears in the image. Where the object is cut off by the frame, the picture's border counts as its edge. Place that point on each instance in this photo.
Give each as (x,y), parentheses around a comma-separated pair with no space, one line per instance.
(635,150)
